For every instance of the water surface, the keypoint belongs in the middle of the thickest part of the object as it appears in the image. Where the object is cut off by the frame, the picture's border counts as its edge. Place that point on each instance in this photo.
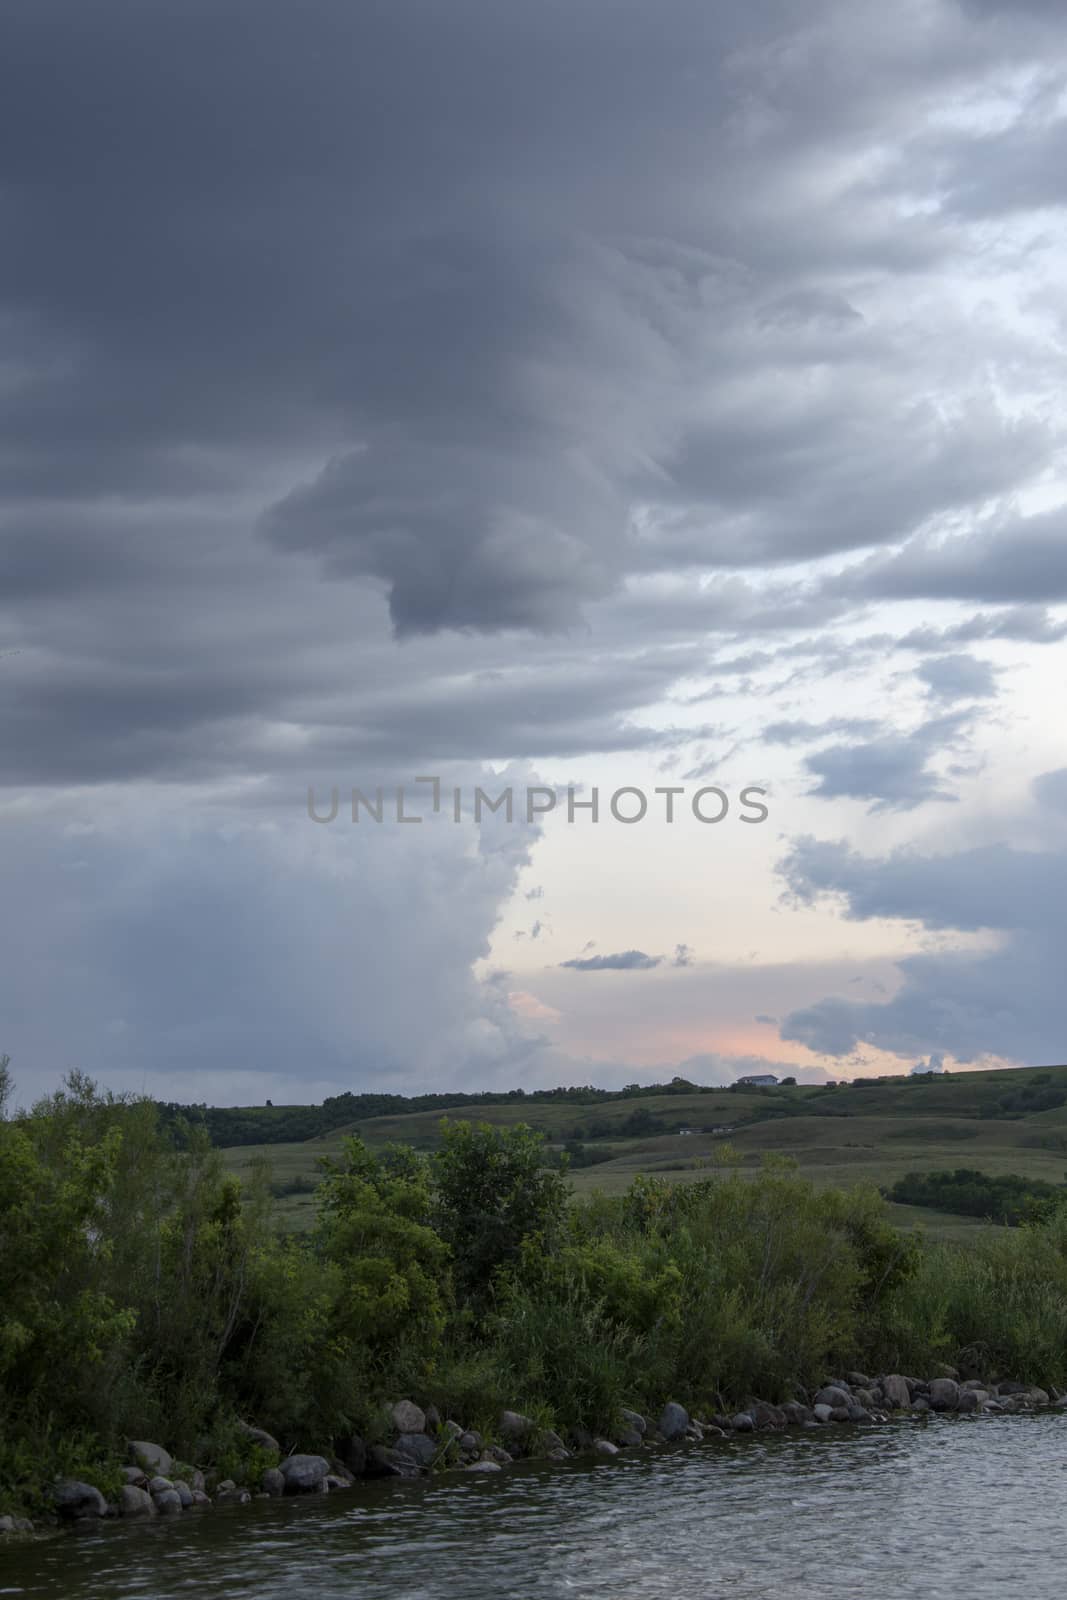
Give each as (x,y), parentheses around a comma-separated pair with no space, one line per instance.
(963,1509)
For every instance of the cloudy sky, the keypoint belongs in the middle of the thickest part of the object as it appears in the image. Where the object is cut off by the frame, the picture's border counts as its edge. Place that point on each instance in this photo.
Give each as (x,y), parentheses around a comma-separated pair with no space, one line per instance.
(585,395)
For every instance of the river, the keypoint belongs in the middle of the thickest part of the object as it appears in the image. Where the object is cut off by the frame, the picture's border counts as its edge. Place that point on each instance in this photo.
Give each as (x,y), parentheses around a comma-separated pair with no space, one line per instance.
(963,1508)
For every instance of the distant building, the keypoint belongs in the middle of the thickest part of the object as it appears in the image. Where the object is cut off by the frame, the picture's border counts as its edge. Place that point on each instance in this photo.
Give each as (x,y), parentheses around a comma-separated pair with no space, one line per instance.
(760,1080)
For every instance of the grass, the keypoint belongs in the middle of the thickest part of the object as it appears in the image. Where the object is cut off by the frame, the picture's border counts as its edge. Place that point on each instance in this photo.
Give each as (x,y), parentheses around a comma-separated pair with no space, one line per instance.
(848,1135)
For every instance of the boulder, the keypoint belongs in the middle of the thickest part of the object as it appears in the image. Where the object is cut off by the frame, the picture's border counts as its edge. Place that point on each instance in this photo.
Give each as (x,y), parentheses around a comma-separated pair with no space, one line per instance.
(921,1403)
(796,1412)
(1011,1387)
(76,1499)
(232,1497)
(158,1484)
(858,1381)
(858,1413)
(135,1502)
(408,1417)
(7,1525)
(969,1400)
(764,1415)
(832,1395)
(260,1436)
(184,1493)
(486,1464)
(453,1429)
(634,1420)
(135,1476)
(274,1482)
(604,1447)
(548,1440)
(151,1458)
(823,1413)
(303,1474)
(944,1394)
(470,1440)
(674,1421)
(514,1426)
(895,1392)
(419,1446)
(200,1498)
(627,1438)
(743,1422)
(382,1462)
(497,1453)
(562,1454)
(168,1503)
(196,1480)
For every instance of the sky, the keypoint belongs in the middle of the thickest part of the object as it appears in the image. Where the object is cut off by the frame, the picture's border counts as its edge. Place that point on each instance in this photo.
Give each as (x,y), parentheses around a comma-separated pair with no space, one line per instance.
(584,398)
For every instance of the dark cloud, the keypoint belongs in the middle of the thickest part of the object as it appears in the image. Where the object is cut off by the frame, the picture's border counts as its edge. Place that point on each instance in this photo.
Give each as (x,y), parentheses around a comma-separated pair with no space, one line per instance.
(894,772)
(957,677)
(1000,1002)
(622,961)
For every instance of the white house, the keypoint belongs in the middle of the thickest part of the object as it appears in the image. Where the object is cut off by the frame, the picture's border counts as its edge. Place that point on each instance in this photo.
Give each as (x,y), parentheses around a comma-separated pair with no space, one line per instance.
(760,1080)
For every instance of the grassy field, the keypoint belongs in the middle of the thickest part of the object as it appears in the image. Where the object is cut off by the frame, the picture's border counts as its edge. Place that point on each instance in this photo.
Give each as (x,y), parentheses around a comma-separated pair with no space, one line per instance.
(999,1122)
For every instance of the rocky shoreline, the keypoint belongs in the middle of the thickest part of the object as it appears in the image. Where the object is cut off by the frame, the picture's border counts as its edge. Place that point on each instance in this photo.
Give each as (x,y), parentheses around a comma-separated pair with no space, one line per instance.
(423,1442)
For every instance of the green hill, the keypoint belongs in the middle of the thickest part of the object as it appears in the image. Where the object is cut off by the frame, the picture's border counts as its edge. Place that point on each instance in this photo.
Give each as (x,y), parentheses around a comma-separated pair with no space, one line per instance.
(880,1131)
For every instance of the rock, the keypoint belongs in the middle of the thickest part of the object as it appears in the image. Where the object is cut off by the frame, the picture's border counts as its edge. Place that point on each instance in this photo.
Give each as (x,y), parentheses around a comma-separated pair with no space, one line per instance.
(433,1419)
(135,1502)
(832,1395)
(796,1412)
(694,1432)
(196,1481)
(1011,1387)
(486,1464)
(453,1429)
(864,1397)
(634,1420)
(151,1458)
(969,1400)
(743,1422)
(200,1498)
(76,1499)
(858,1381)
(823,1413)
(1038,1397)
(135,1476)
(841,1413)
(303,1474)
(7,1525)
(765,1415)
(408,1417)
(419,1446)
(858,1413)
(513,1425)
(233,1497)
(921,1403)
(382,1462)
(168,1503)
(896,1393)
(158,1484)
(604,1447)
(674,1421)
(274,1482)
(470,1440)
(628,1437)
(944,1394)
(562,1454)
(497,1453)
(260,1436)
(712,1432)
(184,1493)
(547,1440)
(334,1482)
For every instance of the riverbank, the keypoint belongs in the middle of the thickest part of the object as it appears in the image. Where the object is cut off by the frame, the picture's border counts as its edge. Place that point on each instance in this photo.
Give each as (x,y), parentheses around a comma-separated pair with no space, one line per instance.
(145,1295)
(417,1442)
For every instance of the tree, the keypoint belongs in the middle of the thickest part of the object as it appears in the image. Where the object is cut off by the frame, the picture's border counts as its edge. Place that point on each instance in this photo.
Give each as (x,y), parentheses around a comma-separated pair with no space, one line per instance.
(493,1193)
